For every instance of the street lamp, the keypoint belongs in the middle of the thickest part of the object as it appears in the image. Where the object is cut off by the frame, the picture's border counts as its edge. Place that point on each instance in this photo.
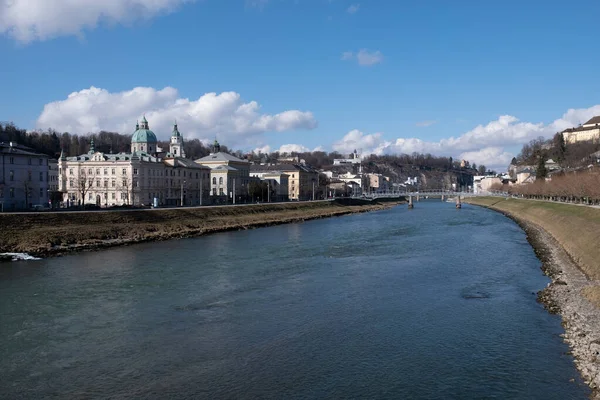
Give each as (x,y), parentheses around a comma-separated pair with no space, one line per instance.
(182,184)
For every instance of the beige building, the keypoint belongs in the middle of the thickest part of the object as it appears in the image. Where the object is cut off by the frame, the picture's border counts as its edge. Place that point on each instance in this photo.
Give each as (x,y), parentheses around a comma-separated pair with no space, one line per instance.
(278,182)
(376,182)
(586,132)
(136,178)
(229,176)
(303,181)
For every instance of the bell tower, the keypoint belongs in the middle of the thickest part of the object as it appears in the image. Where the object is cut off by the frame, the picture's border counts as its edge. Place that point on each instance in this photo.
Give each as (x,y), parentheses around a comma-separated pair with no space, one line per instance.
(176,145)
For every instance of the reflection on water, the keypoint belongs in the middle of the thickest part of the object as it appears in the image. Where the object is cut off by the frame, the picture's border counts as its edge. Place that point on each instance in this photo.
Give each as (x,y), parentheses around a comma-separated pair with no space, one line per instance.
(432,303)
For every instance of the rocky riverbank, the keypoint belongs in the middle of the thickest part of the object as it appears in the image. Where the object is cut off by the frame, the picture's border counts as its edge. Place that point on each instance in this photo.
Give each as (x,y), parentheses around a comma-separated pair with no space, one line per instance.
(573,293)
(50,234)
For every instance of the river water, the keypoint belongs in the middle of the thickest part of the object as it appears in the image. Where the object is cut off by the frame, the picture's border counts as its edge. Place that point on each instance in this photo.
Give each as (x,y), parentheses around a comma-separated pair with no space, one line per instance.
(429,303)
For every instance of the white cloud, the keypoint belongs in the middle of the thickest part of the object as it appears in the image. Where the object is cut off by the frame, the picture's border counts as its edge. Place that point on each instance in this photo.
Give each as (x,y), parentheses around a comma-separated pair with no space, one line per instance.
(236,123)
(353,9)
(293,148)
(364,57)
(262,150)
(357,140)
(485,144)
(424,124)
(492,157)
(29,20)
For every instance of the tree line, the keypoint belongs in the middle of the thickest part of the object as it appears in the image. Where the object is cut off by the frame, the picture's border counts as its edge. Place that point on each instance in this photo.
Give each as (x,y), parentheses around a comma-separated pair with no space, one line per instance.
(51,143)
(574,187)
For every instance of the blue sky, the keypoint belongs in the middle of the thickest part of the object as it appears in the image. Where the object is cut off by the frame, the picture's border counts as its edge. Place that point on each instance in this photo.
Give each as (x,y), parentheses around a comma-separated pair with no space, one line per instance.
(469,79)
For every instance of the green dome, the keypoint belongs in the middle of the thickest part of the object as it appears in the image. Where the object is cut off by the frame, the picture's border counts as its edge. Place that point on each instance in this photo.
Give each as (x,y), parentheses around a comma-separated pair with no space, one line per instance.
(143,136)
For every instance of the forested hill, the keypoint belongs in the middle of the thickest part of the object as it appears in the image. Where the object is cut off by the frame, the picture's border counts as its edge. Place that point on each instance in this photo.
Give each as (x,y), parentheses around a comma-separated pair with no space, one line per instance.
(430,170)
(51,142)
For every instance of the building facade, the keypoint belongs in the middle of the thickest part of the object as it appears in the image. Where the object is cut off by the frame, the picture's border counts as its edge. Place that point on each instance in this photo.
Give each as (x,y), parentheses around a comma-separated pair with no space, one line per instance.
(142,177)
(376,182)
(303,181)
(229,176)
(23,178)
(277,181)
(589,131)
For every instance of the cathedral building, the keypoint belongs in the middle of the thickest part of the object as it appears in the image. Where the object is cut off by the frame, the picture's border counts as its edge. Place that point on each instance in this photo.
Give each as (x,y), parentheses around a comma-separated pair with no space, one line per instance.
(144,176)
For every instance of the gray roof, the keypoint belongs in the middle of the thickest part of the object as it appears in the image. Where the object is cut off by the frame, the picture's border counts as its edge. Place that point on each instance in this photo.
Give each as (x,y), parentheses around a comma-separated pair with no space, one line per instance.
(109,157)
(18,149)
(593,121)
(220,156)
(183,162)
(282,168)
(224,168)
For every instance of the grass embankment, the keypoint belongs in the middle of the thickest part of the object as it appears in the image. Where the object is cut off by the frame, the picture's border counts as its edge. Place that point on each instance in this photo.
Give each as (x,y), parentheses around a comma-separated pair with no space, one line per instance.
(54,233)
(575,228)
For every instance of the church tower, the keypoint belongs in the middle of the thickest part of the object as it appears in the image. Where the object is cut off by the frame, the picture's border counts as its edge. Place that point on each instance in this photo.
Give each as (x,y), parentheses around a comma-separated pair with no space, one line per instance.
(176,146)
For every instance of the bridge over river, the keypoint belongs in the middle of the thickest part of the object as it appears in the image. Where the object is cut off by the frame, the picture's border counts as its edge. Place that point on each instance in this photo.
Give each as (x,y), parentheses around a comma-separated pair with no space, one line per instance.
(445,195)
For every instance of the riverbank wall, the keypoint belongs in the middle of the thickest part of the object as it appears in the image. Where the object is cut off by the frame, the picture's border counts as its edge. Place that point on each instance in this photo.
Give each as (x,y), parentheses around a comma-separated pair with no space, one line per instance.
(54,233)
(565,239)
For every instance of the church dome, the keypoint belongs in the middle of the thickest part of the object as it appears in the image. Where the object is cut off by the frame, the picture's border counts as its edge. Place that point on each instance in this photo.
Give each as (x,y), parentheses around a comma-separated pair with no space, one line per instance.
(143,134)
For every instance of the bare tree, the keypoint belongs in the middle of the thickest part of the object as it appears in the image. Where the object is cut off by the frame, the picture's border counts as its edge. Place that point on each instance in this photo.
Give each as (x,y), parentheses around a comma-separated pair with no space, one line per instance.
(127,188)
(84,183)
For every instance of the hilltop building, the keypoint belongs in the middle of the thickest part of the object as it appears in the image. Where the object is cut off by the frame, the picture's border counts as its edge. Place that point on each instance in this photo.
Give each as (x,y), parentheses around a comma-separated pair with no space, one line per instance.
(586,132)
(353,158)
(143,176)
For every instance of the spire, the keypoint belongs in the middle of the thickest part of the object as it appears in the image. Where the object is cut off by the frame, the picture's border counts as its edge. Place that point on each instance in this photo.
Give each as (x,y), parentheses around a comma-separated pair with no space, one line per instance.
(144,124)
(175,130)
(137,125)
(92,147)
(62,155)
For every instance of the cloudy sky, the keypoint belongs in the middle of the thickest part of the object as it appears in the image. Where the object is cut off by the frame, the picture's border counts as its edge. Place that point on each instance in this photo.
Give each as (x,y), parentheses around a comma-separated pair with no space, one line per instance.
(467,79)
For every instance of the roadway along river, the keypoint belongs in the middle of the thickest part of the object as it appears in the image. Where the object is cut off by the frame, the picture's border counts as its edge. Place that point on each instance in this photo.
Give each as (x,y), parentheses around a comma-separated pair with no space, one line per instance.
(432,303)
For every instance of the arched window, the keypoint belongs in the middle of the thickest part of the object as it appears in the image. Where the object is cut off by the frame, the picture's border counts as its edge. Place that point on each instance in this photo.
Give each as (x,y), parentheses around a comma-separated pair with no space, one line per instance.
(214,181)
(220,180)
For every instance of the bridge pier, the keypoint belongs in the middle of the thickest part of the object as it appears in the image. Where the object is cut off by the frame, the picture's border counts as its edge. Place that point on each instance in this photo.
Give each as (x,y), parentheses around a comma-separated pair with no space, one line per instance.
(458,204)
(410,202)
(418,198)
(443,198)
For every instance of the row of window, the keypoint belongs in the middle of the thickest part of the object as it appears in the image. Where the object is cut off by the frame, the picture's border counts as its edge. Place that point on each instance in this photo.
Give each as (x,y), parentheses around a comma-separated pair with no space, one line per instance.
(11,193)
(89,183)
(11,176)
(11,160)
(153,172)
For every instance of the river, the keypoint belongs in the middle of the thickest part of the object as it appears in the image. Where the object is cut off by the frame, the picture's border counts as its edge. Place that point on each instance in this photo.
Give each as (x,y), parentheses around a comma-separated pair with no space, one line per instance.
(429,303)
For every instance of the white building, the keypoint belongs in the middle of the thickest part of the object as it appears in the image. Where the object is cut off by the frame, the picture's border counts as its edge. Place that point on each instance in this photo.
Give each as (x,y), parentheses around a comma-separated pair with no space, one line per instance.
(588,131)
(350,177)
(354,158)
(23,177)
(278,183)
(483,183)
(141,177)
(229,175)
